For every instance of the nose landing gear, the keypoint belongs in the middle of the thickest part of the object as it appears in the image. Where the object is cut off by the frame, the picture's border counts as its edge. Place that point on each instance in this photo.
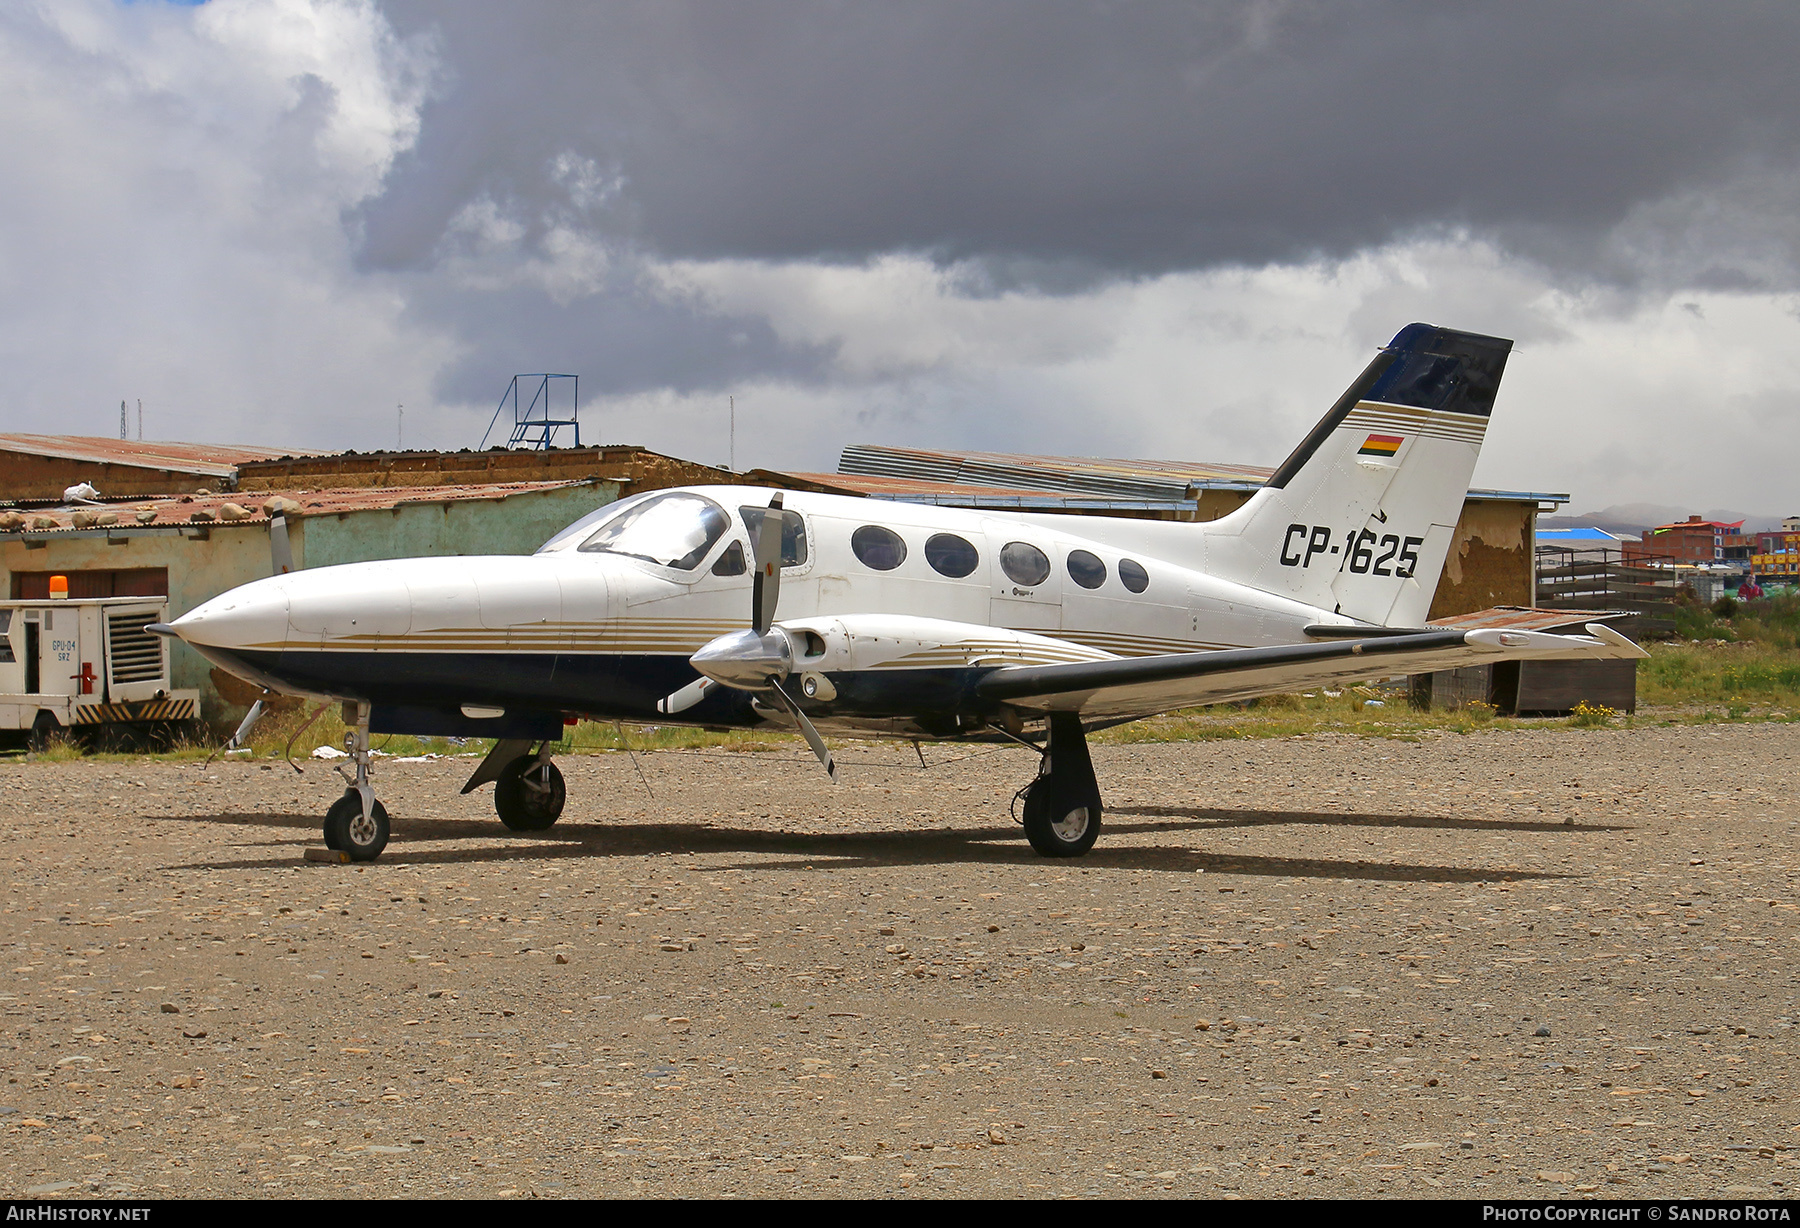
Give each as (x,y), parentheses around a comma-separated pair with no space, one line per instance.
(357,824)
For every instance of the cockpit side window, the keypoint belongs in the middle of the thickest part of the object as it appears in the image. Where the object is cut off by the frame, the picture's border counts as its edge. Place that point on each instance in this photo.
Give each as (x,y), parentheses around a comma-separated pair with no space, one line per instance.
(730,561)
(569,535)
(793,533)
(673,530)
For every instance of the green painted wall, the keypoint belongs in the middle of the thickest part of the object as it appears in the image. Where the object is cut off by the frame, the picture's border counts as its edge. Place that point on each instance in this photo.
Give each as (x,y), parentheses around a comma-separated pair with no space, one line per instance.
(518,524)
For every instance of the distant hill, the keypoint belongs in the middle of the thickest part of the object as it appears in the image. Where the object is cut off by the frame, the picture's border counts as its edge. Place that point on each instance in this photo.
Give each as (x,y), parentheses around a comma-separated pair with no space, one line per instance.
(1632,519)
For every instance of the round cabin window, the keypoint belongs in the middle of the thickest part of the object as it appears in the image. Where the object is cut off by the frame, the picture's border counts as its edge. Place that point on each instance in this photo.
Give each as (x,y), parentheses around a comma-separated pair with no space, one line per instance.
(1024,564)
(1086,569)
(878,548)
(1133,576)
(950,555)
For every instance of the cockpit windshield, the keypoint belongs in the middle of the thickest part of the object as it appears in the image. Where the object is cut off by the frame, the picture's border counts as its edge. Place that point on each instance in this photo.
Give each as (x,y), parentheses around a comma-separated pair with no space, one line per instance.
(674,530)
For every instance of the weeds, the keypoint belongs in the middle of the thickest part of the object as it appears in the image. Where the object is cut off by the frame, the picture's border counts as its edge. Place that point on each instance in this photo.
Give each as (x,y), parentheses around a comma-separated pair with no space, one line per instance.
(1590,716)
(1715,672)
(1358,711)
(1772,622)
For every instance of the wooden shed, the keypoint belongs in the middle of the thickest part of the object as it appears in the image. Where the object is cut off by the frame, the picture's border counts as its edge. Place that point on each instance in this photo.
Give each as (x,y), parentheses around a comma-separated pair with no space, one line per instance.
(1533,688)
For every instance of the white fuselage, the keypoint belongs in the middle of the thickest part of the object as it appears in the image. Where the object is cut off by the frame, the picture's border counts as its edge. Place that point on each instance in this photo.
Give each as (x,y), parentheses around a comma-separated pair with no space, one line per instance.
(607,634)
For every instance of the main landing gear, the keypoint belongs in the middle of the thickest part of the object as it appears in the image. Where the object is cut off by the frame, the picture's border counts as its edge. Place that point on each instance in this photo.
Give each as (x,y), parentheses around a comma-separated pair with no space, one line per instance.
(357,824)
(528,788)
(1062,806)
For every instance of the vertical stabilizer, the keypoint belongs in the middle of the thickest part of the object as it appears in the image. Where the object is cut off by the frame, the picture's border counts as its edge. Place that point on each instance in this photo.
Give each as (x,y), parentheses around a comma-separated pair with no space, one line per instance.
(1361,517)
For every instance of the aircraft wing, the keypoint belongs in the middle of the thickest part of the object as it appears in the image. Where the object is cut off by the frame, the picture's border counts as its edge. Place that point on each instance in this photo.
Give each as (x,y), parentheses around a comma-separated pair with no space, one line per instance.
(1144,686)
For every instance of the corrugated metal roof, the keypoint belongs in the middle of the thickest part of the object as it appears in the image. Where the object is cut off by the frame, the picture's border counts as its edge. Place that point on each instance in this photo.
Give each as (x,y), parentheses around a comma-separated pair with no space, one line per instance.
(957,494)
(1102,477)
(1584,533)
(1153,483)
(204,459)
(1717,526)
(180,511)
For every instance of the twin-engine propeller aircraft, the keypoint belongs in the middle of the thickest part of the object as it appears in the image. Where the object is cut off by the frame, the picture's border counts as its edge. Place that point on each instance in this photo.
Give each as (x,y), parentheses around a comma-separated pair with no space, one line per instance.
(719,606)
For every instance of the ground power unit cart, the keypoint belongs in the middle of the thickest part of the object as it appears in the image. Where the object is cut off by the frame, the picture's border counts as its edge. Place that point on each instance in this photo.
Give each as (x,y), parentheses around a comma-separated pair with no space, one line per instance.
(87,664)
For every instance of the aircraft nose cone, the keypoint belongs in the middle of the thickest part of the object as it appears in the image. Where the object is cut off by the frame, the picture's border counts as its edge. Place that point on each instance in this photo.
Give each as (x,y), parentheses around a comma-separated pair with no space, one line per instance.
(745,659)
(251,616)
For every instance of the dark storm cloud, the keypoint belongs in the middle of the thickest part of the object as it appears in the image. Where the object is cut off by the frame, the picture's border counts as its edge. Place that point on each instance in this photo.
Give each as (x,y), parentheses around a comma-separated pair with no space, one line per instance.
(1109,138)
(620,342)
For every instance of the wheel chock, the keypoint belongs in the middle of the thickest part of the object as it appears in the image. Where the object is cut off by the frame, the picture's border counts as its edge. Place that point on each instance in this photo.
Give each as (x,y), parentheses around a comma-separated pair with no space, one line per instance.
(330,857)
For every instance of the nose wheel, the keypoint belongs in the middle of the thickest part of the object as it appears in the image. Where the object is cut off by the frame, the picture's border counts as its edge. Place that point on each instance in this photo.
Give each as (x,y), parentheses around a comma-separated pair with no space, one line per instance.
(349,830)
(357,824)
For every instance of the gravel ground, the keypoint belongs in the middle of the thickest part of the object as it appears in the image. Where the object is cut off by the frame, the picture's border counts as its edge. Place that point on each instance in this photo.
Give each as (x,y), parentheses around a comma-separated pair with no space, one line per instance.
(1525,962)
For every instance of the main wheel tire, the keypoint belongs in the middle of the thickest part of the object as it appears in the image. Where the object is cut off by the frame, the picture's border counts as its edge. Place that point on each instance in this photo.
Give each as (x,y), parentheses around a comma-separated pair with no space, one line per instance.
(347,831)
(1059,824)
(529,796)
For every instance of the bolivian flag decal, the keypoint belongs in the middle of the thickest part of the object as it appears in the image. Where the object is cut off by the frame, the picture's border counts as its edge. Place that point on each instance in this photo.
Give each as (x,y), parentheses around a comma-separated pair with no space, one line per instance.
(1381,445)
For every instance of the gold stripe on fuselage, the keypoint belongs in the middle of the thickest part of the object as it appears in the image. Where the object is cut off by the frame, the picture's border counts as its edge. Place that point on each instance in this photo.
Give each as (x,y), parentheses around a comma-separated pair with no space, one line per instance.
(671,637)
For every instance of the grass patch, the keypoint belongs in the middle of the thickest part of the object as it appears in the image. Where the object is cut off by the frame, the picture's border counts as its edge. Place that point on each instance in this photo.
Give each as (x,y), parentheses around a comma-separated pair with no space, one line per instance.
(1359,711)
(593,736)
(1772,622)
(1737,675)
(271,735)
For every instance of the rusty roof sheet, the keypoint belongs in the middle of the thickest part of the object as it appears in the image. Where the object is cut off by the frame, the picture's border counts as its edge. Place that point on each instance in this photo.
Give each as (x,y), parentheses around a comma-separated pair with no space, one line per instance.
(203,459)
(171,511)
(1089,475)
(1525,618)
(953,494)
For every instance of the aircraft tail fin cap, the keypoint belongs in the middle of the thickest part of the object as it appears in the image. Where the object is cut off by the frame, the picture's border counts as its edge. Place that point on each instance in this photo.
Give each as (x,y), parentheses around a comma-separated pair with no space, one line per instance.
(1360,518)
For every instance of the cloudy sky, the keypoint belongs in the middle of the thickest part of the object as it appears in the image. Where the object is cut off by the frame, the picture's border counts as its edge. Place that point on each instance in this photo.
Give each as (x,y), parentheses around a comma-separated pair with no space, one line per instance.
(1163,230)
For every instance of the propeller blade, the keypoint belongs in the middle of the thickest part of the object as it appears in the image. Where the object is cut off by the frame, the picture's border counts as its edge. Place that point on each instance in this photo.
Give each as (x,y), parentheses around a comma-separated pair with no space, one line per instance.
(765,589)
(281,555)
(807,731)
(249,722)
(686,697)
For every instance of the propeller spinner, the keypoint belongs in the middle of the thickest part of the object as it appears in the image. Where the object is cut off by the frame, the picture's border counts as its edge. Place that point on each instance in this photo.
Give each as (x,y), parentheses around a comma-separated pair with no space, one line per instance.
(760,657)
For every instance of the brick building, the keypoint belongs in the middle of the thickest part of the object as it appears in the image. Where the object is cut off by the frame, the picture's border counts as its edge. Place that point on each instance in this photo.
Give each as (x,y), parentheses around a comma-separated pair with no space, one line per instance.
(1695,541)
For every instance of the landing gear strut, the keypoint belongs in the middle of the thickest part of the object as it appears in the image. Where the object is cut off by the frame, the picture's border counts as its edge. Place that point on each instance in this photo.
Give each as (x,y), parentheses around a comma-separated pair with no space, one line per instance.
(529,794)
(357,824)
(1062,806)
(528,787)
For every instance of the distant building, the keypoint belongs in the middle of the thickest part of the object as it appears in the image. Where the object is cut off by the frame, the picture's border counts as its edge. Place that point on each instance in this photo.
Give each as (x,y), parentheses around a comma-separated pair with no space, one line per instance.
(1695,542)
(1777,554)
(43,466)
(1579,536)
